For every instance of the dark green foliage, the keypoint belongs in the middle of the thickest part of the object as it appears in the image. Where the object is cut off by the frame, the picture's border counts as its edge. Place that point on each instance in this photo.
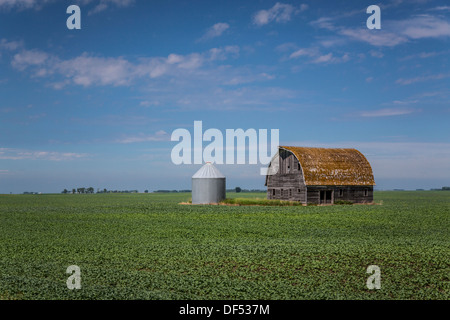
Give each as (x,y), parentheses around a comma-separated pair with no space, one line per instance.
(148,246)
(345,202)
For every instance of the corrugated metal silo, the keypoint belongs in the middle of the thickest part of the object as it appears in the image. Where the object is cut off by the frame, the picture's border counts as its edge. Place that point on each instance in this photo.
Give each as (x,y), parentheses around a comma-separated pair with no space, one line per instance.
(208,185)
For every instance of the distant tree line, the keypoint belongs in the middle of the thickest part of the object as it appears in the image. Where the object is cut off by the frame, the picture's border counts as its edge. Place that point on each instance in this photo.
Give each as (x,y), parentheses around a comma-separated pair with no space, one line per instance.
(443,189)
(239,189)
(91,190)
(169,191)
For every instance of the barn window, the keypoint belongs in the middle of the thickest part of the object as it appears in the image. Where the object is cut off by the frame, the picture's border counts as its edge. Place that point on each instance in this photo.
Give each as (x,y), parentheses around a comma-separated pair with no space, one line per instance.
(273,192)
(298,164)
(290,192)
(366,192)
(299,190)
(341,192)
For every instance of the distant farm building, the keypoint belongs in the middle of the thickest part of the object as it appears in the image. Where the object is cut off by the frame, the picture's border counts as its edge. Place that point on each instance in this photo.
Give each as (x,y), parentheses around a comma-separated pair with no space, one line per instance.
(320,176)
(208,185)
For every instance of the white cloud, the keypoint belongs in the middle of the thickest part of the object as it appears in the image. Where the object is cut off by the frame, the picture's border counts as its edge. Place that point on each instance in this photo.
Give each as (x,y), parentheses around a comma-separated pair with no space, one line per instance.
(10,45)
(425,55)
(224,53)
(21,154)
(23,4)
(158,136)
(423,26)
(279,13)
(317,57)
(174,58)
(215,31)
(105,4)
(147,103)
(375,38)
(324,23)
(393,32)
(376,54)
(422,78)
(387,112)
(38,4)
(441,8)
(324,58)
(310,52)
(188,81)
(88,70)
(28,58)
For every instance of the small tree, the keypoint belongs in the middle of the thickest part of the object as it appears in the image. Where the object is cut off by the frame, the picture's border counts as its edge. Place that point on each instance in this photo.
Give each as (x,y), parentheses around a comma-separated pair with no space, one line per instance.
(146,191)
(238,189)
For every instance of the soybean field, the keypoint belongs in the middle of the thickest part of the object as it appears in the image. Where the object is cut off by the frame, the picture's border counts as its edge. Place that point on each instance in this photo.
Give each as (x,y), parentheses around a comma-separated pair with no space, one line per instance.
(149,246)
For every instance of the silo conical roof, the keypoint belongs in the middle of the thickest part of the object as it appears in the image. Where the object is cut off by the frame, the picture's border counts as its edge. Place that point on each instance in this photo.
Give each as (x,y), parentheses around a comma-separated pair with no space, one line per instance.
(208,171)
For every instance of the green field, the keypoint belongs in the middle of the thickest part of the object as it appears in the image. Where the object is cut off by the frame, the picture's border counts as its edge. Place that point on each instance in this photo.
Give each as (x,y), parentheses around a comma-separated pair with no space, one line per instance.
(148,246)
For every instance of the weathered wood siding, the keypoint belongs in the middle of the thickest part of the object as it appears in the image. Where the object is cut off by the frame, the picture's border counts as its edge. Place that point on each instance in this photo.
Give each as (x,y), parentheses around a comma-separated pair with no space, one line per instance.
(355,194)
(287,183)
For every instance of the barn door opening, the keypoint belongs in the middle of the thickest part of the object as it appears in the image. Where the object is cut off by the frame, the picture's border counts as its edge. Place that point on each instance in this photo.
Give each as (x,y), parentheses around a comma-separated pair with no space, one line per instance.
(326,197)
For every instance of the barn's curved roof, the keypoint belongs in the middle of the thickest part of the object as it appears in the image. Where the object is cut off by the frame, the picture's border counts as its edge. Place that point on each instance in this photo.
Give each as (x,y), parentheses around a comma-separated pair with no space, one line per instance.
(333,166)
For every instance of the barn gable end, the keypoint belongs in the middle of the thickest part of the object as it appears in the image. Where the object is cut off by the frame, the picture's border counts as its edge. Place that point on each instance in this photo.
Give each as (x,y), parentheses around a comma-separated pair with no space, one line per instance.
(321,175)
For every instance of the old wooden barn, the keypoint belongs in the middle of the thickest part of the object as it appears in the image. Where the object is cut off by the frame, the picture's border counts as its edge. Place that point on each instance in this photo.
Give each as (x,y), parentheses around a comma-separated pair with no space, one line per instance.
(320,176)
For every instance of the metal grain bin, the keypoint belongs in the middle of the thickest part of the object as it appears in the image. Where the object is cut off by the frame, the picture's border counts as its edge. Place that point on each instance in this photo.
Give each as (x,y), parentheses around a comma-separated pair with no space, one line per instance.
(208,185)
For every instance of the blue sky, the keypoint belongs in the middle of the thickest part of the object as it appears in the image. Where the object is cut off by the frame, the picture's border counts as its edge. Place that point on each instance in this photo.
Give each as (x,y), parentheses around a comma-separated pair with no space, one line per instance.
(97,106)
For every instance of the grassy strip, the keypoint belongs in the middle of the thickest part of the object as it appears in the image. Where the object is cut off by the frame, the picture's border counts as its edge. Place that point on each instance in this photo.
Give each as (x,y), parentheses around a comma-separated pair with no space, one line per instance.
(260,202)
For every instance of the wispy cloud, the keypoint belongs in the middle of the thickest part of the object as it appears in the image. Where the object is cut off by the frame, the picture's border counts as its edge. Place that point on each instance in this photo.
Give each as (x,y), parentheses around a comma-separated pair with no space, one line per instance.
(158,136)
(105,4)
(280,12)
(10,45)
(316,57)
(376,38)
(387,112)
(393,32)
(309,52)
(21,154)
(425,55)
(407,81)
(23,4)
(423,26)
(215,31)
(88,70)
(440,8)
(100,5)
(324,23)
(330,58)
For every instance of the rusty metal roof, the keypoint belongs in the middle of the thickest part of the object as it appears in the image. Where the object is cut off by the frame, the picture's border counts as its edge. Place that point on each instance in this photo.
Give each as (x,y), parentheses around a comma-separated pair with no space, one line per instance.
(333,166)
